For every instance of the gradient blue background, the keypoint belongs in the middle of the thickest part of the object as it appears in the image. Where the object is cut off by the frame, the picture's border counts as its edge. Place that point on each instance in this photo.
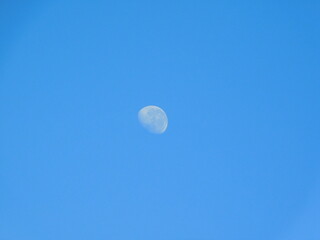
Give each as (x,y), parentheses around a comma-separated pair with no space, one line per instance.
(239,80)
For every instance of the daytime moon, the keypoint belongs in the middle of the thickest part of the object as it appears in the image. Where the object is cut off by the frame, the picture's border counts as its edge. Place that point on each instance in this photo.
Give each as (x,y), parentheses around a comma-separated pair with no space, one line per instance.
(154,119)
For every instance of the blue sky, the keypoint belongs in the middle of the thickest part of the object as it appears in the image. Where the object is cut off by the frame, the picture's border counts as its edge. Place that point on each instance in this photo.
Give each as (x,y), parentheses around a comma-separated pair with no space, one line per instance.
(239,82)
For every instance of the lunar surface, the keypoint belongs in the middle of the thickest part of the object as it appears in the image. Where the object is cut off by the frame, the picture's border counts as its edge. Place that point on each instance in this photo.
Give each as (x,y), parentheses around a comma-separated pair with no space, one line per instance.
(154,119)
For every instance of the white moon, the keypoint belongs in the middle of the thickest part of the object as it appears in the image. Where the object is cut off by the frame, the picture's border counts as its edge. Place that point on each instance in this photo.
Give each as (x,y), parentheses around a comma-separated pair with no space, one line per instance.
(154,119)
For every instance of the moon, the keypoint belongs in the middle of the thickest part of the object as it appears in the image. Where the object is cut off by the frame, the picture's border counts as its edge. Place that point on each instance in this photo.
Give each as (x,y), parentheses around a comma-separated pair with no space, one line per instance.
(154,119)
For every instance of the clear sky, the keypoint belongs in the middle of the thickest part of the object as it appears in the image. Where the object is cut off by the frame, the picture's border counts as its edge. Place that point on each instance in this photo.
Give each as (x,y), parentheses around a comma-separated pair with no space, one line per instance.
(239,81)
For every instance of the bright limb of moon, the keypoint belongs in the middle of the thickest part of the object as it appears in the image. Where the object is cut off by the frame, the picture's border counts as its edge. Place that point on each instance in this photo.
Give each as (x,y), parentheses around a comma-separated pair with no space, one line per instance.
(154,119)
